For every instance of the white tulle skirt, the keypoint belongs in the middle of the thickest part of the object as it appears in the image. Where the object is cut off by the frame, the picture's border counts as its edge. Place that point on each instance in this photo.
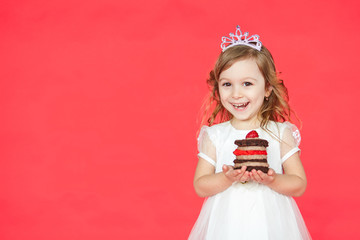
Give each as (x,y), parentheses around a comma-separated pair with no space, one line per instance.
(249,211)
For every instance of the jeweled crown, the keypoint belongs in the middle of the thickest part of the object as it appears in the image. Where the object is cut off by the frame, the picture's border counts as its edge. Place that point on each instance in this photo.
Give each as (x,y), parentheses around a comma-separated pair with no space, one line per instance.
(240,39)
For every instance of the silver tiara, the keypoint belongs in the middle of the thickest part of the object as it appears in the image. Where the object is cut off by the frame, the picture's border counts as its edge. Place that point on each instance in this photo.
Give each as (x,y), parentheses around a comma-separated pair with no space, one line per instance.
(240,39)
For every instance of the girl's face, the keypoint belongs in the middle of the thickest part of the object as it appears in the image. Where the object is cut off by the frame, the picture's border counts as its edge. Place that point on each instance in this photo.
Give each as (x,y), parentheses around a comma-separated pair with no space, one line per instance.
(242,92)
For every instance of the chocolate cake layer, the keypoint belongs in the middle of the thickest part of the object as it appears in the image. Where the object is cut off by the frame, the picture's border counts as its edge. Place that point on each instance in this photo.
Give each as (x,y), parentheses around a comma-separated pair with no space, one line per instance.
(249,168)
(250,160)
(255,164)
(252,142)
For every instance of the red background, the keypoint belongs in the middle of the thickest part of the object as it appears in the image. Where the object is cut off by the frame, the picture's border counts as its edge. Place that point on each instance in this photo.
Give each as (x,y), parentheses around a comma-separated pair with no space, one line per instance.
(100,103)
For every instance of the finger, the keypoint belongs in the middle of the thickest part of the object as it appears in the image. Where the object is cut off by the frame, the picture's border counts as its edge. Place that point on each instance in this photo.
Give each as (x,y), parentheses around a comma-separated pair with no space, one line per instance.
(255,175)
(251,174)
(261,174)
(232,173)
(269,177)
(271,172)
(227,171)
(239,173)
(238,170)
(245,177)
(227,168)
(243,171)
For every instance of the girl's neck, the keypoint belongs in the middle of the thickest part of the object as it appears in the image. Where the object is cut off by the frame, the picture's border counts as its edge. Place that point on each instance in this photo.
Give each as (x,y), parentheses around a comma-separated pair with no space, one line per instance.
(244,125)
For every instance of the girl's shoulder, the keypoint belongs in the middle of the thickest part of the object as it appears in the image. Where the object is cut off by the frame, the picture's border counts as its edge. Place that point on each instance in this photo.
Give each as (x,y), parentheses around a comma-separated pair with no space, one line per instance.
(215,131)
(280,125)
(282,128)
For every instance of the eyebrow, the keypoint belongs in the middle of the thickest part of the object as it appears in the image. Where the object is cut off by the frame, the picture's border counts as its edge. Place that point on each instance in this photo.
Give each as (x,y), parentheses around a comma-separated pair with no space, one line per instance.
(224,78)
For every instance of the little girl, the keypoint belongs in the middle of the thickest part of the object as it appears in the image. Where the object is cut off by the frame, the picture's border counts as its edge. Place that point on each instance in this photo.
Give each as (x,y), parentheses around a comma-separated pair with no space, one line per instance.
(248,95)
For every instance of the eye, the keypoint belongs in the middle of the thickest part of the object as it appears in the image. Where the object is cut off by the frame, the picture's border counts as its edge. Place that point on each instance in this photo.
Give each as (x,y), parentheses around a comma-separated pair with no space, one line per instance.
(246,84)
(226,84)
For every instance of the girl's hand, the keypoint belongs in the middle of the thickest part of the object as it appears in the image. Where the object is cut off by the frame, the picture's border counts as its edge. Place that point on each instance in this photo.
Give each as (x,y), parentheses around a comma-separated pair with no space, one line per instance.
(234,175)
(260,177)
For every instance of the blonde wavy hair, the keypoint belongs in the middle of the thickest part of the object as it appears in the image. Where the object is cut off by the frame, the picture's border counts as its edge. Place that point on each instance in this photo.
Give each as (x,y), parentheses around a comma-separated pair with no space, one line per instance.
(276,108)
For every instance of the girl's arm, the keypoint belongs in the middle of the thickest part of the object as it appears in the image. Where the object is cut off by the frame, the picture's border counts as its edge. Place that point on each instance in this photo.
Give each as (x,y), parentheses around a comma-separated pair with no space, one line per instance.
(208,183)
(292,183)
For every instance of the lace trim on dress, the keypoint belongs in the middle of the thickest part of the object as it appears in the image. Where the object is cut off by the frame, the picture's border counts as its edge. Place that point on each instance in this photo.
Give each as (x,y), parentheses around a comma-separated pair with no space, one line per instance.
(207,158)
(289,154)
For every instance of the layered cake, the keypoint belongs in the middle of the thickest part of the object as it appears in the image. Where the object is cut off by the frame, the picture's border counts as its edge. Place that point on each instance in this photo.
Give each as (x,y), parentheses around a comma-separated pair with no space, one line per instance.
(251,152)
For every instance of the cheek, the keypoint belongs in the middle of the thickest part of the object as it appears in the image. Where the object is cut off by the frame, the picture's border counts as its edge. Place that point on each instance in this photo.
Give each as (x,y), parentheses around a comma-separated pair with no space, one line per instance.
(222,100)
(222,94)
(256,95)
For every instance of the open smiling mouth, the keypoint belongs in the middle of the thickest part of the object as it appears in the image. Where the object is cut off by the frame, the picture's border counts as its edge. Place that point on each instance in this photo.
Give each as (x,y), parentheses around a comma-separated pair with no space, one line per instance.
(240,105)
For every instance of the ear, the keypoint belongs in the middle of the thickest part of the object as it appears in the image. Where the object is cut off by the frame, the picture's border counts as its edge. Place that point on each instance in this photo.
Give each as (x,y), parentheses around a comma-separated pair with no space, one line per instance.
(268,91)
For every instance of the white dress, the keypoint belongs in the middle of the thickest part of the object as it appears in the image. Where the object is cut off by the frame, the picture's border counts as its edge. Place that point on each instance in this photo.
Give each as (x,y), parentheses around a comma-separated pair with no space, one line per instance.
(248,211)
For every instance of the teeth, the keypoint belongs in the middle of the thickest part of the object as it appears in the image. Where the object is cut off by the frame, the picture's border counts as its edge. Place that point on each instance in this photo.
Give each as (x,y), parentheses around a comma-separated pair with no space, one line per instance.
(240,105)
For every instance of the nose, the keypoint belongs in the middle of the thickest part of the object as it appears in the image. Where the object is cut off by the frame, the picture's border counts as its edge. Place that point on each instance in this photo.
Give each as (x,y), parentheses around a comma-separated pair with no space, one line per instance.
(237,92)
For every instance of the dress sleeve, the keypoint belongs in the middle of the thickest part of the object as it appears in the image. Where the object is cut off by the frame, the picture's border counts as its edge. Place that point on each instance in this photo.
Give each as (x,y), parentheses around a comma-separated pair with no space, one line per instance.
(290,141)
(206,147)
